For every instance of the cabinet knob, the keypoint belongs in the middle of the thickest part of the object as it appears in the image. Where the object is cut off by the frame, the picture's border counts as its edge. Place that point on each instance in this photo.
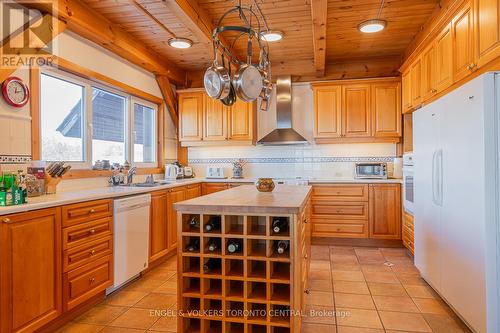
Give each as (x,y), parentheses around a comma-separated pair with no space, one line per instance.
(433,91)
(92,231)
(471,66)
(305,256)
(307,291)
(92,252)
(92,211)
(92,280)
(6,220)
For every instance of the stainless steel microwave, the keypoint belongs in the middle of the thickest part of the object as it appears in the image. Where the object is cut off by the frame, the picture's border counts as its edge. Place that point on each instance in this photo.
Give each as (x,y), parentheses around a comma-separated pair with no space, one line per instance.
(375,170)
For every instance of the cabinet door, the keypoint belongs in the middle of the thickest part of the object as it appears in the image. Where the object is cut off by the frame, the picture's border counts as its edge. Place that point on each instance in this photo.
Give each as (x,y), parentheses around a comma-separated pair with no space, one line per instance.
(31,270)
(158,235)
(207,188)
(241,122)
(193,191)
(463,43)
(429,72)
(487,36)
(385,211)
(356,111)
(386,109)
(444,59)
(416,82)
(327,112)
(190,116)
(214,120)
(406,82)
(175,195)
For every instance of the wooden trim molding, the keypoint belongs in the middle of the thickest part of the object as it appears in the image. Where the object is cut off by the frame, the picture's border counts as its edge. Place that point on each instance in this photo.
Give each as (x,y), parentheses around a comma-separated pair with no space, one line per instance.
(319,20)
(35,113)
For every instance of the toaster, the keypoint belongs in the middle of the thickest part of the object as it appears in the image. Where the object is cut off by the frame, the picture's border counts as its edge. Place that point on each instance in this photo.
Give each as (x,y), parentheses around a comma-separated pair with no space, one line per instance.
(215,172)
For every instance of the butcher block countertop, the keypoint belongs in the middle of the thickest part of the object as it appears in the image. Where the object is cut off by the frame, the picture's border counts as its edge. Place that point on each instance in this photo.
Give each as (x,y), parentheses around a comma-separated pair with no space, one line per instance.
(285,199)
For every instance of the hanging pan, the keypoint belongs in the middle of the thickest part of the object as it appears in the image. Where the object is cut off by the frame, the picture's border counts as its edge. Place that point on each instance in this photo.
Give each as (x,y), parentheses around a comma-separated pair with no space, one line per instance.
(248,80)
(216,80)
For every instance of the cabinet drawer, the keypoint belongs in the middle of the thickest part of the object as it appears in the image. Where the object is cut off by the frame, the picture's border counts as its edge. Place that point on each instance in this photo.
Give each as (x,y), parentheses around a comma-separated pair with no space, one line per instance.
(87,281)
(342,210)
(86,253)
(408,221)
(340,230)
(86,211)
(85,232)
(345,192)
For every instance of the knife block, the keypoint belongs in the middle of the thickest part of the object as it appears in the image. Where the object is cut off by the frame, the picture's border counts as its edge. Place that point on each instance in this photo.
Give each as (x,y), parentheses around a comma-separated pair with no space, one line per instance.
(51,184)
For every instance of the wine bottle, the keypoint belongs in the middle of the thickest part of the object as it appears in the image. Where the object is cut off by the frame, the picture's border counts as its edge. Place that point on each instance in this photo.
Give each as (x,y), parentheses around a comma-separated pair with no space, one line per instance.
(211,265)
(194,223)
(213,223)
(282,246)
(194,245)
(234,245)
(280,224)
(213,244)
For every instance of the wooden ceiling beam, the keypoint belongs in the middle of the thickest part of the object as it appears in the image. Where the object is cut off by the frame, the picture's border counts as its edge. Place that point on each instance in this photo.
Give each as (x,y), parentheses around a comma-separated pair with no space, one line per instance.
(169,97)
(98,29)
(319,19)
(195,18)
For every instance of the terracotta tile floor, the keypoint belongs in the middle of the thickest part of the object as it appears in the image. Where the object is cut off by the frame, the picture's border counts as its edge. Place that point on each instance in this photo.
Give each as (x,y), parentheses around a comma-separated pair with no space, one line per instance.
(366,295)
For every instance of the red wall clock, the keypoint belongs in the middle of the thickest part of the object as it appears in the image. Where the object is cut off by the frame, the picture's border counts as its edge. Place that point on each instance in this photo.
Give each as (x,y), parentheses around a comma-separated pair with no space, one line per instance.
(15,92)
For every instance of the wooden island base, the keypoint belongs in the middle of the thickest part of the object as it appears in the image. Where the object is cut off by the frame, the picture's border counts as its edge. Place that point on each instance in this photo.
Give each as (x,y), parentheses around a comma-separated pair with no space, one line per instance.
(254,289)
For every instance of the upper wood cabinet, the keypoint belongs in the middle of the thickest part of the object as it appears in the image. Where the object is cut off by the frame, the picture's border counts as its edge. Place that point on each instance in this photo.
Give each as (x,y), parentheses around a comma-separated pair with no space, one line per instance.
(386,109)
(31,270)
(214,120)
(357,111)
(203,120)
(241,121)
(444,59)
(463,43)
(190,116)
(416,82)
(429,72)
(487,30)
(385,211)
(406,94)
(327,111)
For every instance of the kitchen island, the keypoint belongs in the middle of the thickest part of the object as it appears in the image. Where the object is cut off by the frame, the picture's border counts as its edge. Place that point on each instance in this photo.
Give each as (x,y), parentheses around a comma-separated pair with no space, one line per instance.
(243,260)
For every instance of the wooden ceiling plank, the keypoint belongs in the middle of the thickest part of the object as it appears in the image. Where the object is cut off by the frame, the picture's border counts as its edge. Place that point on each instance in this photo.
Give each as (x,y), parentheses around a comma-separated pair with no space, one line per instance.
(98,29)
(318,14)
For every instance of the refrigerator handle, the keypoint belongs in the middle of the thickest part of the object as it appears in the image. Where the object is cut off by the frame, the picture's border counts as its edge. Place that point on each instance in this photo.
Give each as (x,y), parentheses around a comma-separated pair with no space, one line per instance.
(439,159)
(434,182)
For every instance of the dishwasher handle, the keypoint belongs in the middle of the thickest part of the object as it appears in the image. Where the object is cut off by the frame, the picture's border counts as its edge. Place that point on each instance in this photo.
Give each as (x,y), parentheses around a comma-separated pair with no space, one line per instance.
(132,207)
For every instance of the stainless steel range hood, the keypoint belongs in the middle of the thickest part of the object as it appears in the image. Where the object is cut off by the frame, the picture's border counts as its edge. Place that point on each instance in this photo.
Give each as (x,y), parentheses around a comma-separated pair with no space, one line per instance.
(284,134)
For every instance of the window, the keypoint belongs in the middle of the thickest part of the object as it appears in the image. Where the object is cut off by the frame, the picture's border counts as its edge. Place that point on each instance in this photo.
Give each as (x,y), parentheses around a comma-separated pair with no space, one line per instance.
(83,122)
(62,119)
(144,134)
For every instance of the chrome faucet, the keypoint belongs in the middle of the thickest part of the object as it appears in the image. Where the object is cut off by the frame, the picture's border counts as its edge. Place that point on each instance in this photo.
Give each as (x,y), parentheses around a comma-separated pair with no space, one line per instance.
(150,179)
(130,174)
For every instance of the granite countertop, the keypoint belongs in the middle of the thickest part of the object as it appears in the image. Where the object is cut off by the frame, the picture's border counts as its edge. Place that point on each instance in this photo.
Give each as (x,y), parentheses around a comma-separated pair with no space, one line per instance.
(65,198)
(285,199)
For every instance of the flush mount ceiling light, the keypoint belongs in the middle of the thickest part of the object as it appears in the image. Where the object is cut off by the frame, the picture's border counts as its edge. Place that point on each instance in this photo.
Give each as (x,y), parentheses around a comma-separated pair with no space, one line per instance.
(372,26)
(271,35)
(180,43)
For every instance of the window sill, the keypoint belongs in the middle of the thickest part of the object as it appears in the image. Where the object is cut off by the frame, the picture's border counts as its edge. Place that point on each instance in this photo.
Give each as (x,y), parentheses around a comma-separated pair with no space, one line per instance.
(77,174)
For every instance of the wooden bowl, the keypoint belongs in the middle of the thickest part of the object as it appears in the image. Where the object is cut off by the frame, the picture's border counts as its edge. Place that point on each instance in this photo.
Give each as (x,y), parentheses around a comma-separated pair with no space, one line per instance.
(265,184)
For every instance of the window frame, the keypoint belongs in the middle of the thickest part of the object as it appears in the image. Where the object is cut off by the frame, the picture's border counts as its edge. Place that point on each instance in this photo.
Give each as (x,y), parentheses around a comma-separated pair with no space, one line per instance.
(85,167)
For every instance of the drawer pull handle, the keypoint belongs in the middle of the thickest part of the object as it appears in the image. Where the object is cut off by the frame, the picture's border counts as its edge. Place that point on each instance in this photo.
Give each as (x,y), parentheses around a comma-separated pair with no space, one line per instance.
(92,280)
(92,252)
(6,220)
(338,229)
(92,211)
(92,231)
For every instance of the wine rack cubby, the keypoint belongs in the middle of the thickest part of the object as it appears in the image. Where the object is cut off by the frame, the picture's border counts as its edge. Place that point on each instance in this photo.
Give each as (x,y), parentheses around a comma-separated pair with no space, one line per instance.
(248,290)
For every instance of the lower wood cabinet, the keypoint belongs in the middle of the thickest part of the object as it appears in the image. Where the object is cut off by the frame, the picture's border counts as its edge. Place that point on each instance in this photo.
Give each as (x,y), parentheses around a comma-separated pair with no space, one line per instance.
(207,188)
(158,226)
(385,211)
(30,270)
(408,232)
(356,211)
(174,195)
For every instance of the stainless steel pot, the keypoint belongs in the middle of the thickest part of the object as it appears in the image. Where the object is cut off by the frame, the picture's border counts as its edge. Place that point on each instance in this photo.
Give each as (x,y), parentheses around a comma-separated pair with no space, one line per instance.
(247,81)
(217,80)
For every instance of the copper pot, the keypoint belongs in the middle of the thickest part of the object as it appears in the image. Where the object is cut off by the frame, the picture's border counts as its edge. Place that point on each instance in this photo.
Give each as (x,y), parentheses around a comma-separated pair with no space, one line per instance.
(265,184)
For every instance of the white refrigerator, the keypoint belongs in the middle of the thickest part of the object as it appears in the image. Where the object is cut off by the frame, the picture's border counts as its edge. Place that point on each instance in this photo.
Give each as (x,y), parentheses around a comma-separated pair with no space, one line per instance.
(456,179)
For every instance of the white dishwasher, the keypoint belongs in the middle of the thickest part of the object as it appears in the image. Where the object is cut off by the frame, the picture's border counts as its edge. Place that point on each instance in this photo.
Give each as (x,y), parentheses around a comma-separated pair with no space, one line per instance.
(130,238)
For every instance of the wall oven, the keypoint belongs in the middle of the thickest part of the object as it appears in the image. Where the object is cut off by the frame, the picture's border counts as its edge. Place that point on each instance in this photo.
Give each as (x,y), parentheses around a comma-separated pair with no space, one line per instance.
(408,189)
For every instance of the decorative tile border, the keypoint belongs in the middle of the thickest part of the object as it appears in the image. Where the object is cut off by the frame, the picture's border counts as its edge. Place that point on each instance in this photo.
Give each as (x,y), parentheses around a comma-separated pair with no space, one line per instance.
(15,159)
(291,160)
